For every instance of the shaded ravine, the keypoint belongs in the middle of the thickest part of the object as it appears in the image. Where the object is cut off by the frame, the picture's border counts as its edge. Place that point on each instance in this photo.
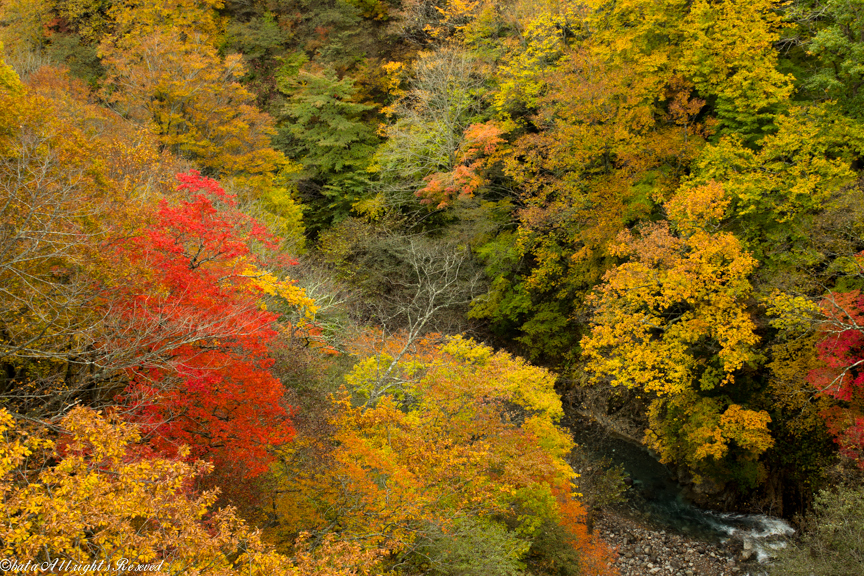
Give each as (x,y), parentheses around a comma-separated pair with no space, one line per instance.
(661,499)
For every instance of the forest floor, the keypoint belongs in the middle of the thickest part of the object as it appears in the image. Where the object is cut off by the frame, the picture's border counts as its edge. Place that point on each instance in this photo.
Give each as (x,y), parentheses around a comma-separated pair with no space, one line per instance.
(643,550)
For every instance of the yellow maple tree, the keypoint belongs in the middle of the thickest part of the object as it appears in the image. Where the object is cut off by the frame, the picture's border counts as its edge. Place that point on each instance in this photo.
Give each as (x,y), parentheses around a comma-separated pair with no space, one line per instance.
(673,322)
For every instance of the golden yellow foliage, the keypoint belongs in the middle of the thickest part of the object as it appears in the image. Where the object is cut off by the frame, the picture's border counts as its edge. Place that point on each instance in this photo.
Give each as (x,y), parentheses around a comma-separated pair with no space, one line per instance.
(673,293)
(164,71)
(145,17)
(294,296)
(700,432)
(673,322)
(793,171)
(93,496)
(22,30)
(9,80)
(728,50)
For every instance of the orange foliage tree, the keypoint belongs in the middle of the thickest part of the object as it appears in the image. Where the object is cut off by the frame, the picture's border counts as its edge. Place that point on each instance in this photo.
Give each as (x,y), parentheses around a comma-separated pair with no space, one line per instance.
(163,70)
(452,439)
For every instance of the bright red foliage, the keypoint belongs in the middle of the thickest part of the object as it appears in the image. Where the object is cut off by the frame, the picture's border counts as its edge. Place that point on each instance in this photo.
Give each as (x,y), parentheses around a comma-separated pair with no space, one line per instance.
(200,375)
(842,377)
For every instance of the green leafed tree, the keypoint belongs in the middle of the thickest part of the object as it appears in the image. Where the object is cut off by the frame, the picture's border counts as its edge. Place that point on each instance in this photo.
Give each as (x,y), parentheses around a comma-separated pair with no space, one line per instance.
(324,129)
(838,47)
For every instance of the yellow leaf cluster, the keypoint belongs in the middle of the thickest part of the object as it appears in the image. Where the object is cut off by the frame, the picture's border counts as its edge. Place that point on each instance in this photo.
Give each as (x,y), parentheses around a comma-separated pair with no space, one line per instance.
(729,51)
(164,70)
(23,26)
(673,322)
(794,314)
(524,73)
(700,208)
(144,17)
(793,171)
(92,497)
(701,431)
(651,311)
(9,80)
(287,291)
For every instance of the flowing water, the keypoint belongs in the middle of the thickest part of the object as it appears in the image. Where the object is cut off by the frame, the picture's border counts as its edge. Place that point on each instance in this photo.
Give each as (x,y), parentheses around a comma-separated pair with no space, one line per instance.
(662,501)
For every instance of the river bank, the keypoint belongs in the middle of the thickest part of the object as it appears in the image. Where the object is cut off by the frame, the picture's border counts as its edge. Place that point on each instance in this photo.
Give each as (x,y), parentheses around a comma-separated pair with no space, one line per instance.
(656,528)
(643,550)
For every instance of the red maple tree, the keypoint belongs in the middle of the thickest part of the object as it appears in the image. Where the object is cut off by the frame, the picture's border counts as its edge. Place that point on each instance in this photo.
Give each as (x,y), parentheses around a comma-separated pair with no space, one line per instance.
(198,336)
(841,351)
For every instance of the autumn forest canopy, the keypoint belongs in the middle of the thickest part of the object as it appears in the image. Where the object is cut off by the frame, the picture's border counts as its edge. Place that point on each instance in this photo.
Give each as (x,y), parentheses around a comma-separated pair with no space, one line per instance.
(316,287)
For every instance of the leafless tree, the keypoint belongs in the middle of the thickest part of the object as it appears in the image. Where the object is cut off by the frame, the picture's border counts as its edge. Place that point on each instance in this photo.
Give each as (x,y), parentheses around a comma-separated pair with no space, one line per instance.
(427,289)
(49,206)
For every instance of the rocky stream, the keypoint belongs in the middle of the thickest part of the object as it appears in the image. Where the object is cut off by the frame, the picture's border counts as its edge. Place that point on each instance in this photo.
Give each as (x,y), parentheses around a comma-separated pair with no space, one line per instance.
(661,532)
